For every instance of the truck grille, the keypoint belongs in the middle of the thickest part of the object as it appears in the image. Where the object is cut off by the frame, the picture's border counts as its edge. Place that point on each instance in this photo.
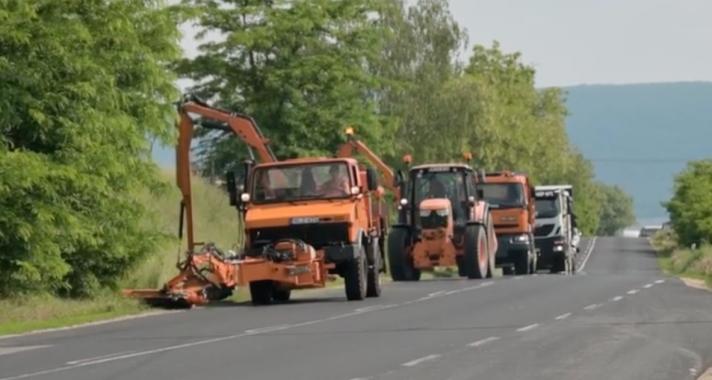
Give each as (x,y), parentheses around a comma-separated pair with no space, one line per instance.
(544,230)
(317,235)
(433,221)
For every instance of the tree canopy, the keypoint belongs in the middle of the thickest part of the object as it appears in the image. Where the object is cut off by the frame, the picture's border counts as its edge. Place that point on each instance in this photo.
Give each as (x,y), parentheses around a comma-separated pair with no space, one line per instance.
(82,86)
(691,205)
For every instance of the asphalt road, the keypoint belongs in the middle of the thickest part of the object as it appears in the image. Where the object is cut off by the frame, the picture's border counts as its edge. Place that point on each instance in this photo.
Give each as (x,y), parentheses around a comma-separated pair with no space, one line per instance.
(619,318)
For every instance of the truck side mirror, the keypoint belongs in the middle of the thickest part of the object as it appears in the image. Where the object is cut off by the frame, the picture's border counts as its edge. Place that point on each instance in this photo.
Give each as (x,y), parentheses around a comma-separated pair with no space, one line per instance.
(371,179)
(399,181)
(231,184)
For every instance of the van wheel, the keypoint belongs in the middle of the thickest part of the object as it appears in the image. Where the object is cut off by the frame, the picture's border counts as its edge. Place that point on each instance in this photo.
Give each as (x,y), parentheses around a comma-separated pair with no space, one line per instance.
(355,278)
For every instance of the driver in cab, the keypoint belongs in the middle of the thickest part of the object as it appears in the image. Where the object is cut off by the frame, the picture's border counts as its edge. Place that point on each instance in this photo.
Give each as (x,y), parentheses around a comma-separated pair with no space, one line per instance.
(338,183)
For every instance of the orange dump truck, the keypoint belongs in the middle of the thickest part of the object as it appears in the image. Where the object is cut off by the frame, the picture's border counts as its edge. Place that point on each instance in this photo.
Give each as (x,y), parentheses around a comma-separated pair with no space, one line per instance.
(304,220)
(511,199)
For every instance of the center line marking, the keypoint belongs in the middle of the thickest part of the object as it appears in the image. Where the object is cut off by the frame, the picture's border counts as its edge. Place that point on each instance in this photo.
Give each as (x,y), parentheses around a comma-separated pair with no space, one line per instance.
(421,360)
(633,291)
(98,357)
(659,281)
(648,286)
(591,306)
(616,298)
(563,316)
(529,327)
(483,341)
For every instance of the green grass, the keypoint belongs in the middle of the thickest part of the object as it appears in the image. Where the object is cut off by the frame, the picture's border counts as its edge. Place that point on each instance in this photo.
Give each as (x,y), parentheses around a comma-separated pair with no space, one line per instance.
(43,312)
(686,262)
(215,221)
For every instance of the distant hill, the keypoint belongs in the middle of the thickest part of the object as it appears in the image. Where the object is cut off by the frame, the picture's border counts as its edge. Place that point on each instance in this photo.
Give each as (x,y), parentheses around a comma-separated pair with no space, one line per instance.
(639,135)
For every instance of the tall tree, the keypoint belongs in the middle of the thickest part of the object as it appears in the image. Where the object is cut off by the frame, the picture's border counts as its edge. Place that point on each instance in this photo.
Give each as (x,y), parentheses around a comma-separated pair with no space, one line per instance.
(82,86)
(691,205)
(301,68)
(615,210)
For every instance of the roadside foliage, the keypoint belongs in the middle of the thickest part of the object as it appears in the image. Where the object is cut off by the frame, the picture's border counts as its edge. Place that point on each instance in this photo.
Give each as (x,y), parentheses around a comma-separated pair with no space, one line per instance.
(691,205)
(83,85)
(86,86)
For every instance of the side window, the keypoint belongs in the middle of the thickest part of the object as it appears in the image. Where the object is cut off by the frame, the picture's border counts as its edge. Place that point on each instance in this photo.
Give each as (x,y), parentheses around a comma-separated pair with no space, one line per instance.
(354,176)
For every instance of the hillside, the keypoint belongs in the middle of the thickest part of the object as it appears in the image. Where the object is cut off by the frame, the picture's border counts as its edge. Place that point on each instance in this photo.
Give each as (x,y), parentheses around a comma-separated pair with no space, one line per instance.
(638,136)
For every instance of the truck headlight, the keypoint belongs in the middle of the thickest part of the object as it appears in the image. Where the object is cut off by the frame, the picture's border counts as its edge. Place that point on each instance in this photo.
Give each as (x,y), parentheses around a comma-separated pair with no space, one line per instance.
(520,239)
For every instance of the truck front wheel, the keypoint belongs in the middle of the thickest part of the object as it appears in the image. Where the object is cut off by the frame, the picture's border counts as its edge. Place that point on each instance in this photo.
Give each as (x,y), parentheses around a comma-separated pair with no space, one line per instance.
(355,278)
(399,263)
(476,255)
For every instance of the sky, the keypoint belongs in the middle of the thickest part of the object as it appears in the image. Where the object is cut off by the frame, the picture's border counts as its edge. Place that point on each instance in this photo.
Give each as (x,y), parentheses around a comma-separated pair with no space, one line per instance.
(573,42)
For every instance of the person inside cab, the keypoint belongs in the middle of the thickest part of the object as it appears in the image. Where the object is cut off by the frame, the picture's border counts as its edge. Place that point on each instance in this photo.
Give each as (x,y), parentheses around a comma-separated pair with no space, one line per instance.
(338,183)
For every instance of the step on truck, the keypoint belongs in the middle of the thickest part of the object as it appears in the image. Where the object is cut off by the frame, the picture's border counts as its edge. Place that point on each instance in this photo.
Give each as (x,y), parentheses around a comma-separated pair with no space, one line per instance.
(511,199)
(442,222)
(556,234)
(304,220)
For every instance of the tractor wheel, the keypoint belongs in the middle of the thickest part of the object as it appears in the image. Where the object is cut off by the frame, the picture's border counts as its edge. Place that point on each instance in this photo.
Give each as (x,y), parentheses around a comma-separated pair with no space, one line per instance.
(461,269)
(373,277)
(282,294)
(476,255)
(355,278)
(398,261)
(261,292)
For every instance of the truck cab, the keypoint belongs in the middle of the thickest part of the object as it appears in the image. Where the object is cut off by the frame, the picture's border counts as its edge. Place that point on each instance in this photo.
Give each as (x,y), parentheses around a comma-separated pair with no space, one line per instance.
(555,234)
(511,200)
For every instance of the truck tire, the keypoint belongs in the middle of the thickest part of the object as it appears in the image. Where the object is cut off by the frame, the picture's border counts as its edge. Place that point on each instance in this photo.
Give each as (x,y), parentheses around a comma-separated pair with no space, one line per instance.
(399,263)
(558,264)
(355,278)
(475,246)
(281,294)
(261,292)
(373,277)
(521,263)
(573,264)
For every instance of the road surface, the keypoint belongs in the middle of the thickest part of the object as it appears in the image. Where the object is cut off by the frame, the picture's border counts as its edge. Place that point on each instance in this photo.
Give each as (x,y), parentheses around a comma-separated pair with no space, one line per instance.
(619,318)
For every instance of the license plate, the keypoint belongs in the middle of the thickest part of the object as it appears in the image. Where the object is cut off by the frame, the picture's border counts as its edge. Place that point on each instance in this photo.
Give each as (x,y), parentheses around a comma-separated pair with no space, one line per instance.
(304,220)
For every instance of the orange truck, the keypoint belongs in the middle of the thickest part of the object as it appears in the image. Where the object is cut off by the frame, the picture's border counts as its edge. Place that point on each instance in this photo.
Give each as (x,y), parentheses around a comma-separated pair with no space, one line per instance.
(442,222)
(511,199)
(304,220)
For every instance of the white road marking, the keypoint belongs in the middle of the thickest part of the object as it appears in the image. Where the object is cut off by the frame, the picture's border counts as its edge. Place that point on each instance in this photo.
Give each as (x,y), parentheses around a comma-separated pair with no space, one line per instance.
(529,327)
(591,306)
(97,357)
(263,330)
(633,291)
(588,254)
(659,281)
(563,316)
(616,298)
(648,286)
(374,308)
(16,349)
(483,341)
(421,360)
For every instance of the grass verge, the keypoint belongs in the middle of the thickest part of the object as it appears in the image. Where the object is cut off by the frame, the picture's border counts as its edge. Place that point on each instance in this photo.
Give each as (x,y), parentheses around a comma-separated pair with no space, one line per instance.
(683,262)
(45,312)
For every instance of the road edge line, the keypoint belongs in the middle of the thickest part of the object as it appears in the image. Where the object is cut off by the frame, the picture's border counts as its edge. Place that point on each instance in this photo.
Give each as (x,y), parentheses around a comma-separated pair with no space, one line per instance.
(588,255)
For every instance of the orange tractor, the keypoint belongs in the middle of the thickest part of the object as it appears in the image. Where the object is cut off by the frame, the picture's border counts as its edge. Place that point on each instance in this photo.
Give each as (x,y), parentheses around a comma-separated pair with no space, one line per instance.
(305,220)
(442,221)
(511,198)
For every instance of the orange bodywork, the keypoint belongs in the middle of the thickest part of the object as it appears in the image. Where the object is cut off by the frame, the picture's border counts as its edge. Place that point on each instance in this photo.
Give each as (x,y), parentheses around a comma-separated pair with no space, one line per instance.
(511,221)
(436,246)
(207,274)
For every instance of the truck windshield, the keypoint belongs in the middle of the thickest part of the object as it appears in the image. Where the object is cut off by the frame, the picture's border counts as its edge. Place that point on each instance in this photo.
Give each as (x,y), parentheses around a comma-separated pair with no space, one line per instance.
(547,208)
(301,182)
(503,195)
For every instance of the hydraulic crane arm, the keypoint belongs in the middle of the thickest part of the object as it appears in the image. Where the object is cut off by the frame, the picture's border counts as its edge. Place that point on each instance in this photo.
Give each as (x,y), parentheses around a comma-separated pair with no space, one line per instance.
(353,144)
(240,125)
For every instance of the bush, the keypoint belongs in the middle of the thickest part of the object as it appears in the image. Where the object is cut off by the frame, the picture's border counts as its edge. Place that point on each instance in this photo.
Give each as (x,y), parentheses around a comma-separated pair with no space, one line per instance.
(691,205)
